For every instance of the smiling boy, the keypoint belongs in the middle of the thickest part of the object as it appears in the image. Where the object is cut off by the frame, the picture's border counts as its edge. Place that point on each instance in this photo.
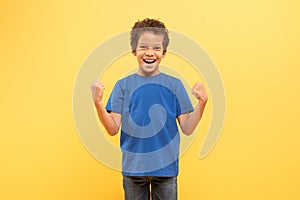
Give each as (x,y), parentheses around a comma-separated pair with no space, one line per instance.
(148,104)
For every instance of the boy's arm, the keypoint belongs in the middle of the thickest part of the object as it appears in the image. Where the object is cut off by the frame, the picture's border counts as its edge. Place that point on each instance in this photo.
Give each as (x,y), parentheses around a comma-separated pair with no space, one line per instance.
(188,121)
(111,121)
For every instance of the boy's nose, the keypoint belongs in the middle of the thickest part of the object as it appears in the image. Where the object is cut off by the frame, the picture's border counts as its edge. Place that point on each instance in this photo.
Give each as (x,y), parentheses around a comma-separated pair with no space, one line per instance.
(149,52)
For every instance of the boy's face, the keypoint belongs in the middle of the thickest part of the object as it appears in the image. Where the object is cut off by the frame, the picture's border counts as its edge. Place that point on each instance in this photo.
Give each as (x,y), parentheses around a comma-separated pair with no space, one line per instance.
(149,53)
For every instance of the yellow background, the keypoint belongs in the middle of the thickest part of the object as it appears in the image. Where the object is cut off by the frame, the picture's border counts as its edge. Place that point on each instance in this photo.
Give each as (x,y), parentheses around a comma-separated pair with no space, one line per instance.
(254,44)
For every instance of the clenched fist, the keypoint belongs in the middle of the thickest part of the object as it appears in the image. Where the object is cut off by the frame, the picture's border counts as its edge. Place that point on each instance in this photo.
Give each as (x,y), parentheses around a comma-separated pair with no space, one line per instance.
(97,91)
(199,92)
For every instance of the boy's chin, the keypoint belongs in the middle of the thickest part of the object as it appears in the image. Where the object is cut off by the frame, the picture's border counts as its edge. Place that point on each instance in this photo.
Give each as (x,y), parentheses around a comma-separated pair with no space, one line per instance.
(149,69)
(149,65)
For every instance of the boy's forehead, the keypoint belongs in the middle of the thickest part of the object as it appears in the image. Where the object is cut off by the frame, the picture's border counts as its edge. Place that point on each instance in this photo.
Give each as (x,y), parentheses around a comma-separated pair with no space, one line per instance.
(149,37)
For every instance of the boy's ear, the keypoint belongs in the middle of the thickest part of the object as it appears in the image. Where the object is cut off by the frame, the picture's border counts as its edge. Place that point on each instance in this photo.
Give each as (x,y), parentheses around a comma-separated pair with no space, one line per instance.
(164,54)
(133,52)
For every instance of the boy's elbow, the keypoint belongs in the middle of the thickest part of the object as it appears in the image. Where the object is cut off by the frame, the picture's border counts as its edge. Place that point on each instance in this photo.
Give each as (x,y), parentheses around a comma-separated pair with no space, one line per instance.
(112,132)
(188,133)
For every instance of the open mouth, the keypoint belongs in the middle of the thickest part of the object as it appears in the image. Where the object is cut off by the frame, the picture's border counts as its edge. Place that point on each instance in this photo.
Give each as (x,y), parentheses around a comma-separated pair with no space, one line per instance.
(149,61)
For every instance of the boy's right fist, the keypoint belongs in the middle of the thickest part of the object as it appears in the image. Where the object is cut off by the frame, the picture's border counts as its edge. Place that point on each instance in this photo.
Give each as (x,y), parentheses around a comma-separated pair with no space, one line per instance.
(97,91)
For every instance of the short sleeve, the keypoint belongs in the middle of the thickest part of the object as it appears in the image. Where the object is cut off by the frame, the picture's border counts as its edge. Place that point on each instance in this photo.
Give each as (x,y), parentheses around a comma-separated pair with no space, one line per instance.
(183,104)
(116,99)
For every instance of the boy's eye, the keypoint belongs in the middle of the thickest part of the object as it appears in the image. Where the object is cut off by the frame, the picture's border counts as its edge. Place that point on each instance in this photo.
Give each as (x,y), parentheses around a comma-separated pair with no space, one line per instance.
(142,47)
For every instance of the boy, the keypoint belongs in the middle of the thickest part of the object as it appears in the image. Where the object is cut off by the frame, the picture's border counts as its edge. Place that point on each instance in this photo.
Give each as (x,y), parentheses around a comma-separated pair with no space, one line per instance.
(148,103)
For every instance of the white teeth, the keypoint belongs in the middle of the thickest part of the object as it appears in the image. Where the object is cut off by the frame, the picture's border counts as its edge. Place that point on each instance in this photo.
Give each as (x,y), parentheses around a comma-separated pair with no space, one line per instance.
(149,61)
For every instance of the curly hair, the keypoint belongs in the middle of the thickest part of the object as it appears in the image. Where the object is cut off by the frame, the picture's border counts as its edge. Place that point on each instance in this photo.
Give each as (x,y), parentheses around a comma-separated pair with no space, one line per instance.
(148,25)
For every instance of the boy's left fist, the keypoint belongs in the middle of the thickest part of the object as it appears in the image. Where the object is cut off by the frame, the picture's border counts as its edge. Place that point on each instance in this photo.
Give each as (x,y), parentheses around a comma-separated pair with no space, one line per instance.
(199,92)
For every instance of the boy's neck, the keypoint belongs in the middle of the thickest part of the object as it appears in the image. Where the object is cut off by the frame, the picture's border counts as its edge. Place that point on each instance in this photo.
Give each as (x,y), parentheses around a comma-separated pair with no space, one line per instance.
(145,74)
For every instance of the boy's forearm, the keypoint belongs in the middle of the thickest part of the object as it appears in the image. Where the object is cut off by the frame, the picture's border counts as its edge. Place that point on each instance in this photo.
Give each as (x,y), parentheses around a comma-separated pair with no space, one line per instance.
(192,120)
(106,119)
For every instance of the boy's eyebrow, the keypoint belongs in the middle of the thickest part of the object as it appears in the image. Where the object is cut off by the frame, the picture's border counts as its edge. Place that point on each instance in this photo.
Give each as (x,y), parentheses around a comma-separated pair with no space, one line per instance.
(158,44)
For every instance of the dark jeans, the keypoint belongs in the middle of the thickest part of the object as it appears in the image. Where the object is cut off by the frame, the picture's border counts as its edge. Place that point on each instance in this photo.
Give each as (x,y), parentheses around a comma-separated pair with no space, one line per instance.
(138,188)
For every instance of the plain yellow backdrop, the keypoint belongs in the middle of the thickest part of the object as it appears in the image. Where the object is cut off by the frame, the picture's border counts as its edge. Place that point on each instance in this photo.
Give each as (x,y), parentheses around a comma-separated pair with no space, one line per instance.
(254,44)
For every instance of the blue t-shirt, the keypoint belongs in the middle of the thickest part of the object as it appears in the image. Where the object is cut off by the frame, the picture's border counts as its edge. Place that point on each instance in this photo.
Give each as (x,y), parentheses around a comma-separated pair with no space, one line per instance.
(149,135)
